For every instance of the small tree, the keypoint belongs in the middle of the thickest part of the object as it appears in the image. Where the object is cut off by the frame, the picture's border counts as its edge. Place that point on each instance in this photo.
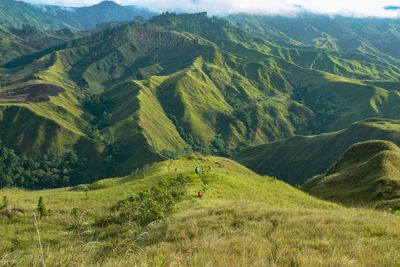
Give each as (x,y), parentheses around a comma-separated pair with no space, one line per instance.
(41,208)
(86,190)
(4,203)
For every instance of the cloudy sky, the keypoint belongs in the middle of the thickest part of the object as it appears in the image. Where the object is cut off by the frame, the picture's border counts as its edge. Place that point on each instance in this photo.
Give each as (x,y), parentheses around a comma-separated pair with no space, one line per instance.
(342,7)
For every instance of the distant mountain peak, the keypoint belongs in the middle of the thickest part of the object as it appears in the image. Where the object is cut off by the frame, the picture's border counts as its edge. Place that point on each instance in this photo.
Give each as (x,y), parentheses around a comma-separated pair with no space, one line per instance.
(107,3)
(392,7)
(57,17)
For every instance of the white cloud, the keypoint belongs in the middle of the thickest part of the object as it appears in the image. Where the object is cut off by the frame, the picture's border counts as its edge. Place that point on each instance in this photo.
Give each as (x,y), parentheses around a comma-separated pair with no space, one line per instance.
(333,7)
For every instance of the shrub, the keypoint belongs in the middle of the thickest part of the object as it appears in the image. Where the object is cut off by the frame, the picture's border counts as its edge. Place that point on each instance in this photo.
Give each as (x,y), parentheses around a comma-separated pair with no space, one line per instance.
(396,212)
(41,208)
(4,203)
(149,205)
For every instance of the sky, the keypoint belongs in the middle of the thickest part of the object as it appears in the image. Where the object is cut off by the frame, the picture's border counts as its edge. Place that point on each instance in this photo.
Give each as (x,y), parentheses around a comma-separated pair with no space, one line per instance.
(357,8)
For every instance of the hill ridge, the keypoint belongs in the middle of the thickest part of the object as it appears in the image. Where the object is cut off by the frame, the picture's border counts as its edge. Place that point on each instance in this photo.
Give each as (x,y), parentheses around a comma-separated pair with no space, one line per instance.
(368,173)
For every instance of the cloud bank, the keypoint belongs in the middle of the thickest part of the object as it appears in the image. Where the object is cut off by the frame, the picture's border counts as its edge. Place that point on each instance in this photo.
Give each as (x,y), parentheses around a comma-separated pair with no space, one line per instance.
(358,8)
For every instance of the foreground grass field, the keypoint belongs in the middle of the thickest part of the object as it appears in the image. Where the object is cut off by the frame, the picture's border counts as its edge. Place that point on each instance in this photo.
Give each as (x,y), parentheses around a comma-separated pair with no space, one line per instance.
(242,219)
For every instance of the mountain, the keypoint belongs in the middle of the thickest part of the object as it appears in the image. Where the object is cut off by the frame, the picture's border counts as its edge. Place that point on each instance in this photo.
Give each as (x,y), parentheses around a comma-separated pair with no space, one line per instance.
(17,13)
(241,219)
(90,17)
(143,92)
(361,37)
(297,159)
(367,174)
(17,42)
(26,28)
(153,105)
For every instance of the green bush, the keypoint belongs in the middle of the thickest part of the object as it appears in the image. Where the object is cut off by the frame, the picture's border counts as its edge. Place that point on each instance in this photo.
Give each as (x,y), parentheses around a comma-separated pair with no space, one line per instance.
(4,203)
(396,212)
(149,205)
(41,208)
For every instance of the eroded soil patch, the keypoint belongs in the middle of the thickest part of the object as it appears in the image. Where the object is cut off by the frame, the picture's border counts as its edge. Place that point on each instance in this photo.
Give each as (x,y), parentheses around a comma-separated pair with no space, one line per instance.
(32,93)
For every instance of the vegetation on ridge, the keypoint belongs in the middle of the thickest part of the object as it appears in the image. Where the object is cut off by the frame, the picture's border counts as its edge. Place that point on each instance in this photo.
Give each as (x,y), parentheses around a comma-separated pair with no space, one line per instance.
(297,159)
(211,86)
(367,174)
(242,217)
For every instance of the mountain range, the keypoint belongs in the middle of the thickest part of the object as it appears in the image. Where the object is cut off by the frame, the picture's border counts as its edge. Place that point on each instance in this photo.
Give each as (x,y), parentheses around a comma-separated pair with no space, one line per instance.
(130,138)
(135,93)
(17,14)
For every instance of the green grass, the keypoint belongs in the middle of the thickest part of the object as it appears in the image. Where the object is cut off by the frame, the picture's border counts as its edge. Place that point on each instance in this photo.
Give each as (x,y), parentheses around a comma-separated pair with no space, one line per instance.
(242,219)
(191,82)
(299,158)
(367,174)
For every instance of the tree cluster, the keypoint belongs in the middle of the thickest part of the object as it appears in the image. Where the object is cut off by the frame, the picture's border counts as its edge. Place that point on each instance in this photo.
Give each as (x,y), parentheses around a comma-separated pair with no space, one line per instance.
(50,171)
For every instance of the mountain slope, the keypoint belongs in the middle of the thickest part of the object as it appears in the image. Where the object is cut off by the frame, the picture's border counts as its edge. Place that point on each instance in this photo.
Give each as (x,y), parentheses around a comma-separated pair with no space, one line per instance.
(242,219)
(213,87)
(367,174)
(362,37)
(17,13)
(15,42)
(299,158)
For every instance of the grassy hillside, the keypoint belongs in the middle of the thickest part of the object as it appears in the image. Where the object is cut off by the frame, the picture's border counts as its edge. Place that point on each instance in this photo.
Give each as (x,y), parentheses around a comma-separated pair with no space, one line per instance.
(17,42)
(367,174)
(190,82)
(361,37)
(301,157)
(242,218)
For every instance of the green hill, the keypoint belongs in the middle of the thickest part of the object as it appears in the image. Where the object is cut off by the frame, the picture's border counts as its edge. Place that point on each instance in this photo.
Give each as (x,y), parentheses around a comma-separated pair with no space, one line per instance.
(299,158)
(17,42)
(145,102)
(26,28)
(180,83)
(242,219)
(367,174)
(362,37)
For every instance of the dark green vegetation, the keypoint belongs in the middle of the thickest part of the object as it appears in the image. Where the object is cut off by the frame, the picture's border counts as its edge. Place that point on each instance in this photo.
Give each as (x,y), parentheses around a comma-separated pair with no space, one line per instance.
(49,171)
(142,100)
(41,208)
(25,28)
(16,42)
(142,92)
(299,158)
(367,174)
(148,206)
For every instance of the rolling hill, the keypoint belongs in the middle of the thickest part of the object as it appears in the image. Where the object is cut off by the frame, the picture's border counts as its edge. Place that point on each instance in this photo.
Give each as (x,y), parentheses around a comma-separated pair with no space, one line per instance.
(143,92)
(156,103)
(367,174)
(297,159)
(241,219)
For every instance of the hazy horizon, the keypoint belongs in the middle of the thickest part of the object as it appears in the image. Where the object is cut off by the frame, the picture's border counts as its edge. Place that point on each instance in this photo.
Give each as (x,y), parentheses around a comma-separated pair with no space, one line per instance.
(354,8)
